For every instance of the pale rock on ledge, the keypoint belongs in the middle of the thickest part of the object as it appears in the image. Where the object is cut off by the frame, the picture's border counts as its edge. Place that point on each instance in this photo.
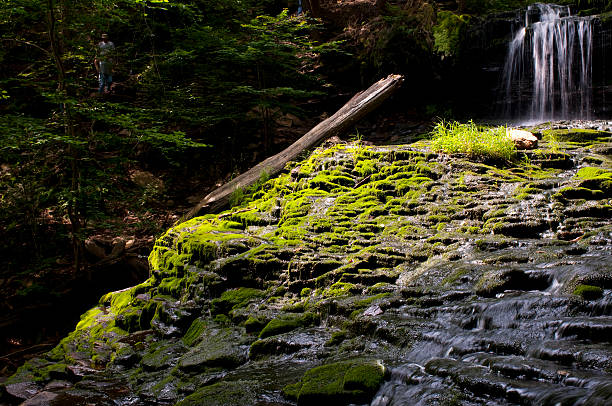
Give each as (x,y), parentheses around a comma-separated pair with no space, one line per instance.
(522,139)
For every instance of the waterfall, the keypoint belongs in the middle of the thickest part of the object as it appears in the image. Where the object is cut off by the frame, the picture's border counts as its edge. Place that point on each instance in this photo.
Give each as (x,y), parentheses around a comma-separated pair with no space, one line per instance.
(548,73)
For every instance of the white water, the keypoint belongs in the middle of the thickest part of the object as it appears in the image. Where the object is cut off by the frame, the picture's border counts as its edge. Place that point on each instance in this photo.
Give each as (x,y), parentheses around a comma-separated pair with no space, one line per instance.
(548,69)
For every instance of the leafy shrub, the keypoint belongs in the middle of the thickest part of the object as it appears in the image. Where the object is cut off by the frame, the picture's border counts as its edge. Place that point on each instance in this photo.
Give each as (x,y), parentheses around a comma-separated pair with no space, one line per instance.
(449,32)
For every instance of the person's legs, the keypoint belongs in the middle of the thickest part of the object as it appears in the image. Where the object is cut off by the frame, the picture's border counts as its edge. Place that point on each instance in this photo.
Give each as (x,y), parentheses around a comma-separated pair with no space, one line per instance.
(109,81)
(101,82)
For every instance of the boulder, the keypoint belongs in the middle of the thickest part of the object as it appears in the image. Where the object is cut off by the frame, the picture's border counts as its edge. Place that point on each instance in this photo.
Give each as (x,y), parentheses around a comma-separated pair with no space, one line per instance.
(522,139)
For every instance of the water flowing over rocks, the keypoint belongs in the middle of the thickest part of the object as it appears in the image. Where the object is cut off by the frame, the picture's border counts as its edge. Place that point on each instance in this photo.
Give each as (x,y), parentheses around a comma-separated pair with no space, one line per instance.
(387,275)
(552,51)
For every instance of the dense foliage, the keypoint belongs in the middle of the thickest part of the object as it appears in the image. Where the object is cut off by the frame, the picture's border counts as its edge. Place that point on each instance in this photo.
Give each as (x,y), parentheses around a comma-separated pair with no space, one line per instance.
(193,80)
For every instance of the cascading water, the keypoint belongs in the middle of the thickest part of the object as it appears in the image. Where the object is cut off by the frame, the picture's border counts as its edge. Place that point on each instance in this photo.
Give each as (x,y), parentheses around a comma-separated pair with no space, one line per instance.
(548,72)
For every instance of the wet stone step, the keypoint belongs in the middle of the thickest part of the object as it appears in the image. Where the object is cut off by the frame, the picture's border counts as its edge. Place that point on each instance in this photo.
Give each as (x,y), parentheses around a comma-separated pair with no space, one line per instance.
(598,329)
(457,344)
(522,368)
(573,353)
(482,381)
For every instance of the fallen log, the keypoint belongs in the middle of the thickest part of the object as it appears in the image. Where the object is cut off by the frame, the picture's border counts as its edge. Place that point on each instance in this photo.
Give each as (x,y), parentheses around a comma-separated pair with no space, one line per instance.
(356,108)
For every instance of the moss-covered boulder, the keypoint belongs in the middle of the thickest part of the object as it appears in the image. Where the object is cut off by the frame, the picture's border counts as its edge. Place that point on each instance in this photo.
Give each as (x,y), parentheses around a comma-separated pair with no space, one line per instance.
(227,393)
(218,347)
(339,383)
(588,292)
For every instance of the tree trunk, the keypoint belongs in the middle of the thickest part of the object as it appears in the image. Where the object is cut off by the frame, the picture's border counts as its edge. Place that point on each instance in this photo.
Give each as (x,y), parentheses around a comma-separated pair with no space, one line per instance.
(72,209)
(315,8)
(357,107)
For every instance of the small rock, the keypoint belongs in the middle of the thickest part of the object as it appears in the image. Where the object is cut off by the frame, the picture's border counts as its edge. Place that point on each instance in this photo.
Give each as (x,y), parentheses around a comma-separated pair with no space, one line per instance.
(41,399)
(54,385)
(373,310)
(146,179)
(22,390)
(79,371)
(522,139)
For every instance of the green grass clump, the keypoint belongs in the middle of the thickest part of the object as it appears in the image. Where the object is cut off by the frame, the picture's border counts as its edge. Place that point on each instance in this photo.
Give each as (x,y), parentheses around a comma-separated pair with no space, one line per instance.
(454,137)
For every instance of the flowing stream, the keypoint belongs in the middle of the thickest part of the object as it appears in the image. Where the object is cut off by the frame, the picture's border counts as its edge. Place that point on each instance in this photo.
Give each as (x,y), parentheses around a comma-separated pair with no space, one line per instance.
(528,345)
(548,69)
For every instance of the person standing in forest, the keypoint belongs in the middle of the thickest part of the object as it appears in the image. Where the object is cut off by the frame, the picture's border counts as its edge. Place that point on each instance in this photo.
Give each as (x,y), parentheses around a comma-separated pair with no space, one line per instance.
(104,63)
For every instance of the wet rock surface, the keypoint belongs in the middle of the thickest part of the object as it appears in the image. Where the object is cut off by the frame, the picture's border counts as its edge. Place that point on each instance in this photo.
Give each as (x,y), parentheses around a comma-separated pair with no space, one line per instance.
(386,275)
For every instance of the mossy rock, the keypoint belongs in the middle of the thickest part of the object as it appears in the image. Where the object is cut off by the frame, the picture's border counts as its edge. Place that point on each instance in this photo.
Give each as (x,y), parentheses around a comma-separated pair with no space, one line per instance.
(338,383)
(571,192)
(597,179)
(171,286)
(234,299)
(337,338)
(224,393)
(275,345)
(497,281)
(339,289)
(286,324)
(219,347)
(194,333)
(254,324)
(581,135)
(588,292)
(159,356)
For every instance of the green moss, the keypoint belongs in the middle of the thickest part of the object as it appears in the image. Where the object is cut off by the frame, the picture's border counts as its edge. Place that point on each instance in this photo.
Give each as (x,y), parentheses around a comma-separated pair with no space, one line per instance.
(295,210)
(338,383)
(305,292)
(286,324)
(366,377)
(336,338)
(578,135)
(494,214)
(224,393)
(330,183)
(222,319)
(89,318)
(235,299)
(292,391)
(294,307)
(571,192)
(368,301)
(523,193)
(438,218)
(147,314)
(380,287)
(405,186)
(365,167)
(588,292)
(192,336)
(324,384)
(129,320)
(454,277)
(254,324)
(49,372)
(158,356)
(338,289)
(171,286)
(595,178)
